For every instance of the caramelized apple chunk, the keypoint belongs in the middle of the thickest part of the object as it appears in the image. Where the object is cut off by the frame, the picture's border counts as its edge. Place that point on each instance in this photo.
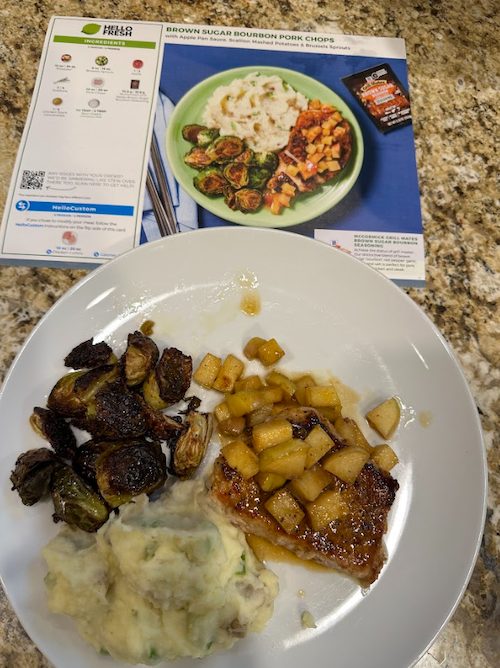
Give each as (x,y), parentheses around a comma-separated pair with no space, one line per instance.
(287,459)
(242,458)
(347,463)
(385,417)
(384,457)
(285,510)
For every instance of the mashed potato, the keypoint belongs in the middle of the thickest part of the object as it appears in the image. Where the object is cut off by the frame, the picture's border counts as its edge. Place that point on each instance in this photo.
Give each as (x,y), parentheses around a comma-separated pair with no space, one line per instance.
(161,580)
(259,109)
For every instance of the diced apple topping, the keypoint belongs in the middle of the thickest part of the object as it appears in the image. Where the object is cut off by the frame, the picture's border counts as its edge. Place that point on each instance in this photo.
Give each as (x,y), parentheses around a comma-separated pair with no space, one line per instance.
(385,417)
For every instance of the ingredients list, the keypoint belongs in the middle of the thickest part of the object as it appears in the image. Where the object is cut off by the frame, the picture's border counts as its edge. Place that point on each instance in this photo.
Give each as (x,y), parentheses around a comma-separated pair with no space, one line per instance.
(78,184)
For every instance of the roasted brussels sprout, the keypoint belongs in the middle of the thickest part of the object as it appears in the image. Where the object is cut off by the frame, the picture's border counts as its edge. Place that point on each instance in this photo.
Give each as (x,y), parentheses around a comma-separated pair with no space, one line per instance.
(266,160)
(63,398)
(75,502)
(210,181)
(225,149)
(115,413)
(246,157)
(169,382)
(88,355)
(139,359)
(190,132)
(54,428)
(258,177)
(199,134)
(248,200)
(71,394)
(197,158)
(32,474)
(173,373)
(125,471)
(190,448)
(229,198)
(84,461)
(206,136)
(236,174)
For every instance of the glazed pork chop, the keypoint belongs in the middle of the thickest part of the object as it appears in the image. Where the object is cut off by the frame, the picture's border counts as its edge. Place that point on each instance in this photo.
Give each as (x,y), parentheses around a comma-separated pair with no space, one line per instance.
(352,544)
(318,149)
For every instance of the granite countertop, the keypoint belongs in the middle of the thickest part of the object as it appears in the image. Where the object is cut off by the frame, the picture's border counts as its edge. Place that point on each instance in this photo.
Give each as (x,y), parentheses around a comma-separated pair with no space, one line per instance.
(451,57)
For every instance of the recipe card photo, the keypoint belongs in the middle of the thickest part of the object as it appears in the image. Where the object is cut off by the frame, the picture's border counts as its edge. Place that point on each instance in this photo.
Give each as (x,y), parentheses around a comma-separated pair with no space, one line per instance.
(311,133)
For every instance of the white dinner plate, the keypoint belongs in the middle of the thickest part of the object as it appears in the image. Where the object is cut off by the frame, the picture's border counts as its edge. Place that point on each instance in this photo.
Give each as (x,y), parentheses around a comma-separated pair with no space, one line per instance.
(332,314)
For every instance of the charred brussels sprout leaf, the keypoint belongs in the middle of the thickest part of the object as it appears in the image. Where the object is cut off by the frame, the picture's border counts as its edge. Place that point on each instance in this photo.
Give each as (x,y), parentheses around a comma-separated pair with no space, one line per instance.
(197,158)
(32,474)
(74,391)
(55,430)
(93,381)
(258,178)
(151,393)
(190,132)
(128,470)
(160,425)
(193,403)
(139,359)
(225,149)
(88,355)
(190,448)
(116,413)
(84,462)
(207,136)
(237,174)
(173,375)
(75,502)
(266,160)
(210,181)
(248,200)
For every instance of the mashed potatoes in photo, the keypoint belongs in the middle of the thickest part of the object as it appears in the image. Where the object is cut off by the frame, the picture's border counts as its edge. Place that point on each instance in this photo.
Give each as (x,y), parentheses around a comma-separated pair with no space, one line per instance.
(259,109)
(161,580)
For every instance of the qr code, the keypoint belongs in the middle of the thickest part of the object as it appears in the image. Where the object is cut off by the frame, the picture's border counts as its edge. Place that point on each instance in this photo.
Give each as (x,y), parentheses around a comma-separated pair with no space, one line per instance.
(32,180)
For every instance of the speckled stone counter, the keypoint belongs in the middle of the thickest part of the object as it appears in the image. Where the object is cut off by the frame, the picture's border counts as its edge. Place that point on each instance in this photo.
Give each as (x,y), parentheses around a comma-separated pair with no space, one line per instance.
(452,65)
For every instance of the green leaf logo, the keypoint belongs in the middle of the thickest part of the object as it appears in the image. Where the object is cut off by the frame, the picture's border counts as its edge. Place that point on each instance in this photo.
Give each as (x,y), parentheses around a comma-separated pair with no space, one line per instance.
(91,28)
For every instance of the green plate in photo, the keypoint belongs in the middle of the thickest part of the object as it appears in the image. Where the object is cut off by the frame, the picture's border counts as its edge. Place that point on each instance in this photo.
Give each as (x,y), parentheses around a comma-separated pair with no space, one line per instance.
(306,206)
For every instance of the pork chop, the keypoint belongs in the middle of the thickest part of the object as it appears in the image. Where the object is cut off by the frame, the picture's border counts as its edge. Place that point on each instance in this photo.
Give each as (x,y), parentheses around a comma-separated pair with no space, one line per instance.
(318,149)
(352,544)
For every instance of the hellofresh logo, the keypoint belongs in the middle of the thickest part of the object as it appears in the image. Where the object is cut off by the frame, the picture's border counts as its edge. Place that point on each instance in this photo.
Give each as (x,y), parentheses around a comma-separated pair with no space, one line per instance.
(91,28)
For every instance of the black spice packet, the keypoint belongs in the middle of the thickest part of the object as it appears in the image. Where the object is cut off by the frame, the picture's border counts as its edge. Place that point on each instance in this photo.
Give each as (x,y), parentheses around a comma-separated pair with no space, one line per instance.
(382,96)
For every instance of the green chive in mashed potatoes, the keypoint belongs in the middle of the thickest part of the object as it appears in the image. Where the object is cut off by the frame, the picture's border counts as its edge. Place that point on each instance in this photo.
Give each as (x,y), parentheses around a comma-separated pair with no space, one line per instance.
(161,580)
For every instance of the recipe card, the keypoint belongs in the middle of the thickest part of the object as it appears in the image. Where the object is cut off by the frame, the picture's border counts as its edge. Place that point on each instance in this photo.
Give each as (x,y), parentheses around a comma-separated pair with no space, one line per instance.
(141,130)
(335,112)
(77,189)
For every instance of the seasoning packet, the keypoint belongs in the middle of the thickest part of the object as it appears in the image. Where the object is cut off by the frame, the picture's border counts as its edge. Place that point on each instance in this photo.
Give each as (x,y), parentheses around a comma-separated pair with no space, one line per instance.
(382,96)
